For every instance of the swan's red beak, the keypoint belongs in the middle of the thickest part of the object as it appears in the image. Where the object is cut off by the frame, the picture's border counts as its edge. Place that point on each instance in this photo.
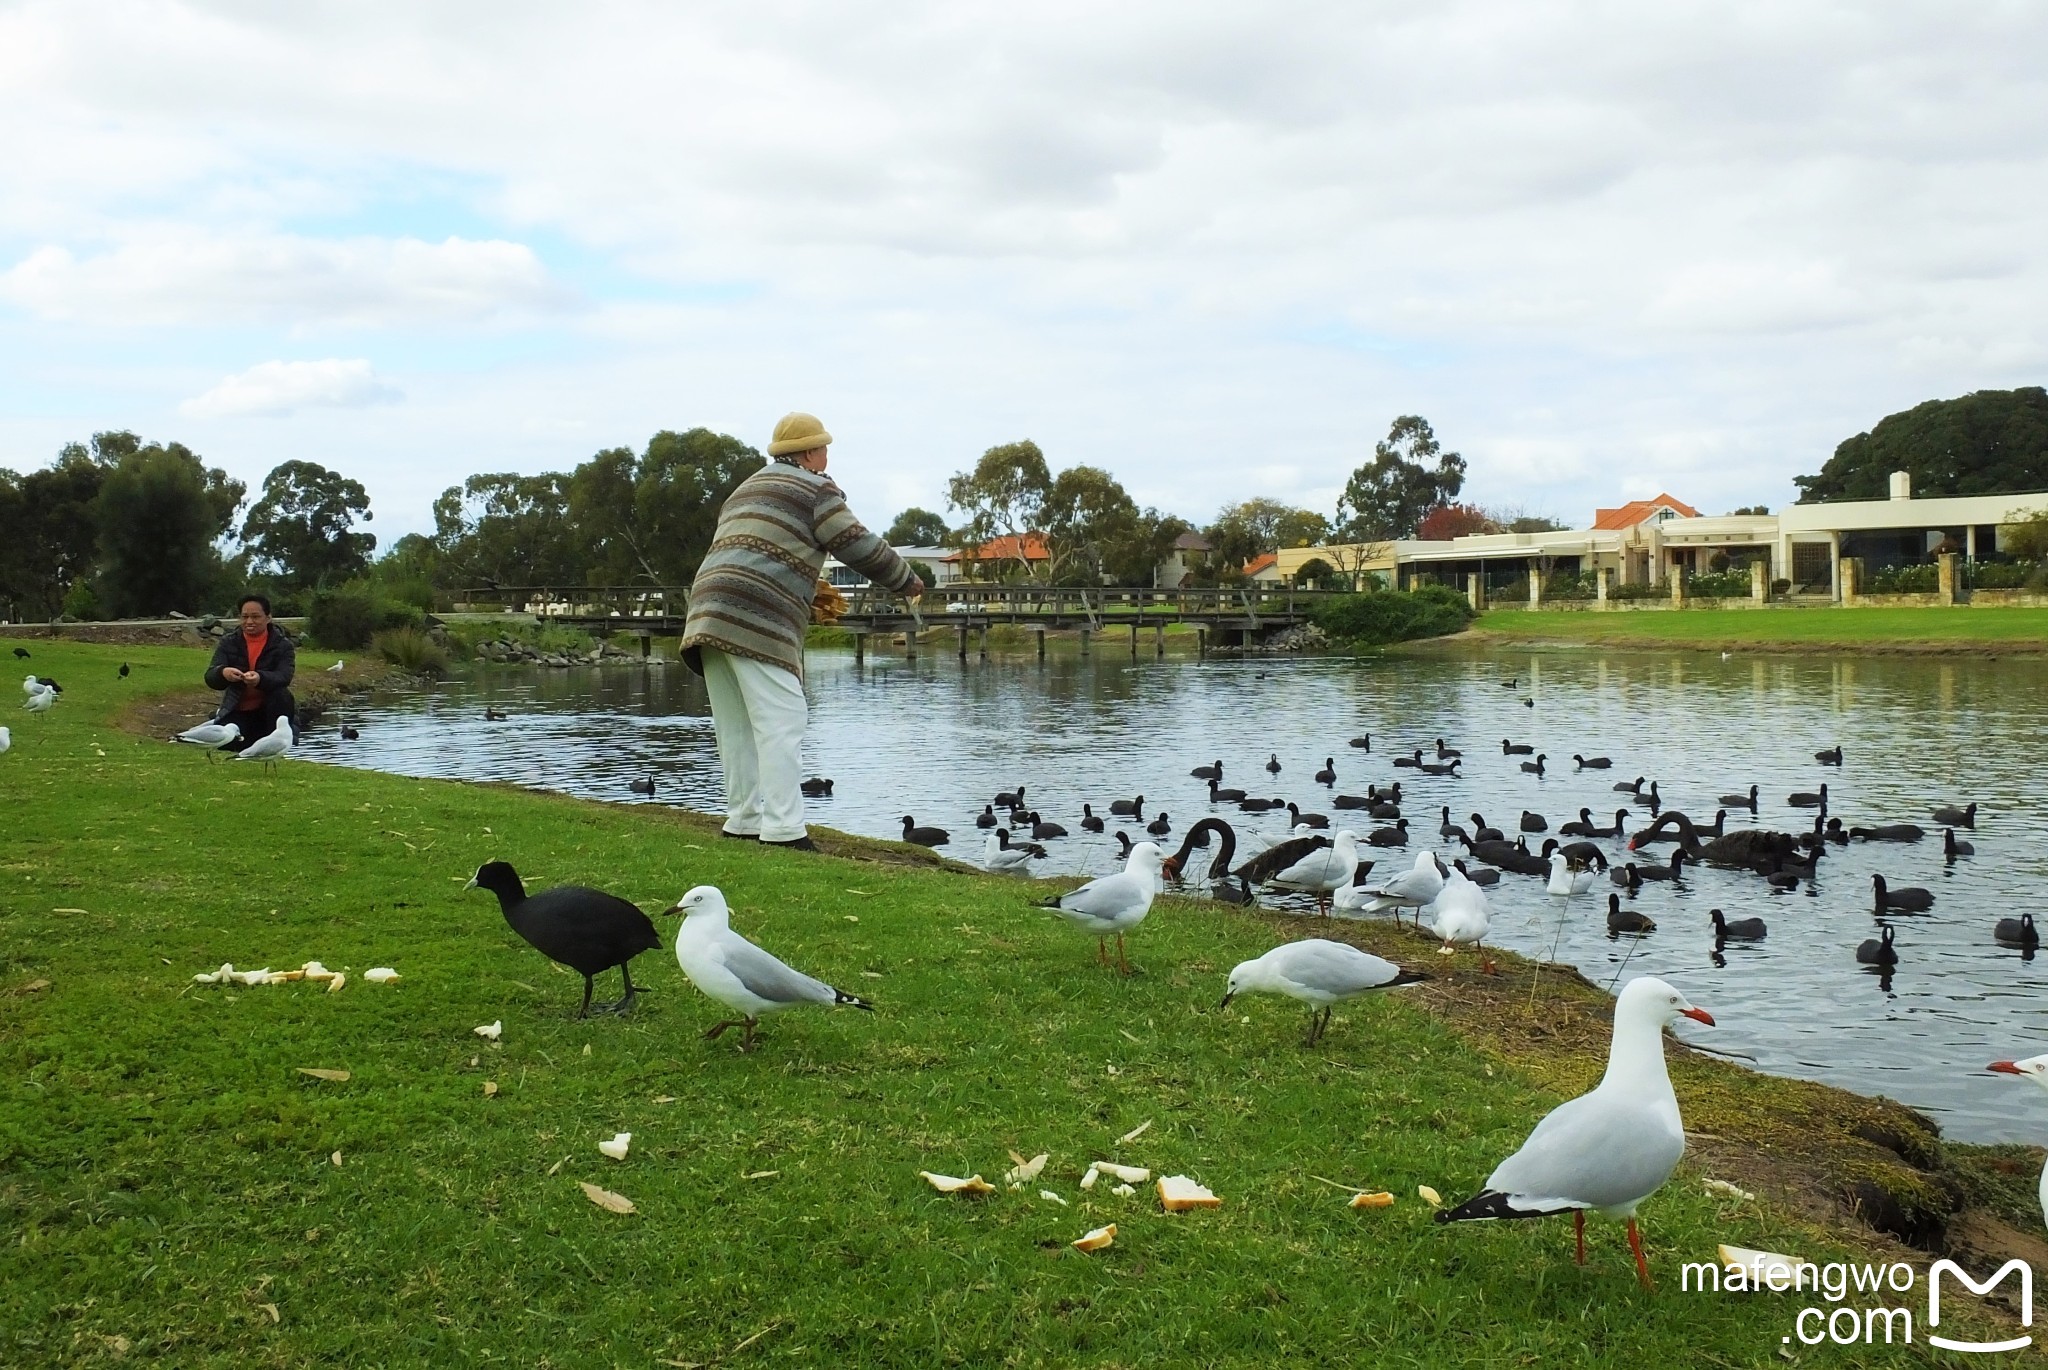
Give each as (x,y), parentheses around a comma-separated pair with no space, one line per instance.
(1632,844)
(1170,868)
(1698,1015)
(2005,1068)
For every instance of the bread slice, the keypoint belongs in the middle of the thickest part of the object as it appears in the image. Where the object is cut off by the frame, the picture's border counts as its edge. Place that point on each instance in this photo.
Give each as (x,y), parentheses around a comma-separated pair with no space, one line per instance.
(1380,1200)
(1097,1239)
(948,1184)
(1179,1193)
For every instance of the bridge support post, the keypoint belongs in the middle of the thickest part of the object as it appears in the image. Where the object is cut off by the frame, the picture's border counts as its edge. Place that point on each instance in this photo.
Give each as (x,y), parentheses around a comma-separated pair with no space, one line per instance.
(1159,639)
(1201,642)
(963,642)
(1084,642)
(984,642)
(860,649)
(1134,641)
(1041,644)
(910,642)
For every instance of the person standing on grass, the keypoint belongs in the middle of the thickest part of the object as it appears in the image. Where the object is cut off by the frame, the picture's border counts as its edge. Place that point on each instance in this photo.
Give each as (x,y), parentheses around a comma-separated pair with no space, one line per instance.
(749,606)
(253,671)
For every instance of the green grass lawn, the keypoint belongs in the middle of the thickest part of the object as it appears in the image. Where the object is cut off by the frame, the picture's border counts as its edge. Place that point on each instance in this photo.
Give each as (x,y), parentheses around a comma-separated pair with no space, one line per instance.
(175,1190)
(1819,627)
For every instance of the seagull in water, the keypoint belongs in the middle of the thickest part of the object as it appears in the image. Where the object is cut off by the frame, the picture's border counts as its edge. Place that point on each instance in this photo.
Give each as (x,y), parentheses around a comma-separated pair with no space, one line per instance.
(1323,870)
(997,856)
(1114,903)
(736,973)
(1608,1150)
(1319,973)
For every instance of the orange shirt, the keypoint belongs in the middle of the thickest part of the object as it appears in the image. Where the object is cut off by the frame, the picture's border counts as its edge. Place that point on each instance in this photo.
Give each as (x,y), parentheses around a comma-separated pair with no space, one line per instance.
(252,697)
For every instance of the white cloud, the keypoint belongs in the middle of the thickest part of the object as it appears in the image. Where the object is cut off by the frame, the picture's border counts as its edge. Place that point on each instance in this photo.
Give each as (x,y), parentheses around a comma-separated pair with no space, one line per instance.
(274,389)
(1592,243)
(182,276)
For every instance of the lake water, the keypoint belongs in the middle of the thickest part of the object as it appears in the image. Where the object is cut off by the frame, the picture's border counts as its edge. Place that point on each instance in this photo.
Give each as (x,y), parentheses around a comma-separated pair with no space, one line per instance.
(937,738)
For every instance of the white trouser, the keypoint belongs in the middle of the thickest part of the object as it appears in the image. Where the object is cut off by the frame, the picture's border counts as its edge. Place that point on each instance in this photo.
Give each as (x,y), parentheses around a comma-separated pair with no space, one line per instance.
(758,711)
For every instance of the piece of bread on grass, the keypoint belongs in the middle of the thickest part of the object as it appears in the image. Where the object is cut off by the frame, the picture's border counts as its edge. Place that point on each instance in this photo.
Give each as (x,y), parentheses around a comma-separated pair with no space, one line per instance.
(1381,1200)
(949,1184)
(1097,1239)
(1178,1193)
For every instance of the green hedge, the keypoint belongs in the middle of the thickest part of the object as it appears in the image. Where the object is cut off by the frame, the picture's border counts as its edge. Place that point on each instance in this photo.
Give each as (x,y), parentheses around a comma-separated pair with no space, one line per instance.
(1383,616)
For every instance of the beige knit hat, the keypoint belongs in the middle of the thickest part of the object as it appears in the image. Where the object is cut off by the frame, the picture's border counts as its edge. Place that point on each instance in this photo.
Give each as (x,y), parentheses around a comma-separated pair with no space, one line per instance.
(798,433)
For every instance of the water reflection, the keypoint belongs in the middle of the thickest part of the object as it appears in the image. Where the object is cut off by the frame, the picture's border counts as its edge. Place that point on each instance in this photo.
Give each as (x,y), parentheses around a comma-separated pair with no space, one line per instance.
(938,738)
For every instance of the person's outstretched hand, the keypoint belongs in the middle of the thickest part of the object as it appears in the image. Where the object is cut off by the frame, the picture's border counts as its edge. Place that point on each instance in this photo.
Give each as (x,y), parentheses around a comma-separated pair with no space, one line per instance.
(915,590)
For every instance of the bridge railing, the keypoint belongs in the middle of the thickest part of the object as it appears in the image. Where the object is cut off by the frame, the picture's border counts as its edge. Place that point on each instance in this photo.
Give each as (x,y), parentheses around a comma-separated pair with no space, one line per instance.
(1115,602)
(581,601)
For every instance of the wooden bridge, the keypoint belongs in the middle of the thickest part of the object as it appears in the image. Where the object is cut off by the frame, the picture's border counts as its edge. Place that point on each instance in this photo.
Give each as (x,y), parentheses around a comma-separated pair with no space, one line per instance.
(1223,617)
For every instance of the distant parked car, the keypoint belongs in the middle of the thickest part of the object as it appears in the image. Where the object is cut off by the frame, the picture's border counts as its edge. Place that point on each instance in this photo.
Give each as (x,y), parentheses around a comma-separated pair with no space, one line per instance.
(959,606)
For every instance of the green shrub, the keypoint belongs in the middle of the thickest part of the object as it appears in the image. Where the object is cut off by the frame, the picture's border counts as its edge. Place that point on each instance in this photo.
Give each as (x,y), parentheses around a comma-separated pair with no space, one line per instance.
(1904,580)
(344,618)
(1639,590)
(82,602)
(412,651)
(1719,585)
(1393,616)
(2007,575)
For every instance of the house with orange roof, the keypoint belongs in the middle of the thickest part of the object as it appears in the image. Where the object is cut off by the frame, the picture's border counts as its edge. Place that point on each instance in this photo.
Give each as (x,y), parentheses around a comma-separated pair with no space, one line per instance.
(1264,569)
(1638,511)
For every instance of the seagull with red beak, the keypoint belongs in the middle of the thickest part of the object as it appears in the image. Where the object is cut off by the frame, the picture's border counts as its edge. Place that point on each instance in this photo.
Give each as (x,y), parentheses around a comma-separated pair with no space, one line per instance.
(2034,1068)
(1606,1151)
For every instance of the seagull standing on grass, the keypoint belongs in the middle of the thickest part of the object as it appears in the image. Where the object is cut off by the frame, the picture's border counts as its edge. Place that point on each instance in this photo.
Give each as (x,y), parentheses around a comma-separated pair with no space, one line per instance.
(40,701)
(1114,903)
(6,740)
(1460,915)
(1319,973)
(272,749)
(1411,888)
(2034,1068)
(212,736)
(734,972)
(1608,1150)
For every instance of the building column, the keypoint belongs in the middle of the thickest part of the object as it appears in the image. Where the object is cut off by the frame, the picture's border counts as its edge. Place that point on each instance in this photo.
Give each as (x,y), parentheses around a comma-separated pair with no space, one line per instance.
(1848,578)
(1602,579)
(1535,588)
(1759,581)
(1475,590)
(1970,541)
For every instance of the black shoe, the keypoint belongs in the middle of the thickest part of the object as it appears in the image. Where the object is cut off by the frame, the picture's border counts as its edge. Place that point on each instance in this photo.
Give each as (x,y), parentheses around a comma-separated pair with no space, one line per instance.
(740,836)
(794,844)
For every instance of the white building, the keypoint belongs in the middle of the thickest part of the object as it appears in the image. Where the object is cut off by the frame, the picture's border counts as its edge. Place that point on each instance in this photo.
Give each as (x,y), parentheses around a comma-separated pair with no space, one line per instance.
(1652,540)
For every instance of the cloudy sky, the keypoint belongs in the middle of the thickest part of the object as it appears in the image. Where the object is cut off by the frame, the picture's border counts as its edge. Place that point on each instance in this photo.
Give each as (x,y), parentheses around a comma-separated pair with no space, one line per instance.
(1606,248)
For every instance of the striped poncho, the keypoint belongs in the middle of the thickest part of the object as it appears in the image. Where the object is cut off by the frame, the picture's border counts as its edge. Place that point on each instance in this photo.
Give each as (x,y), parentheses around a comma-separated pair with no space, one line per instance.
(752,595)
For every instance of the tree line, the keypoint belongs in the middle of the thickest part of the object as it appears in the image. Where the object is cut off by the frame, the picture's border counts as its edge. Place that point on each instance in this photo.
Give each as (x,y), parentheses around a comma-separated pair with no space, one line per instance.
(119,527)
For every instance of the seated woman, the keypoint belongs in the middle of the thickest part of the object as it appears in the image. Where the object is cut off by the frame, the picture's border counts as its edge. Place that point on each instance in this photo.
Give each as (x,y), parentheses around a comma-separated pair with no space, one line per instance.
(253,671)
